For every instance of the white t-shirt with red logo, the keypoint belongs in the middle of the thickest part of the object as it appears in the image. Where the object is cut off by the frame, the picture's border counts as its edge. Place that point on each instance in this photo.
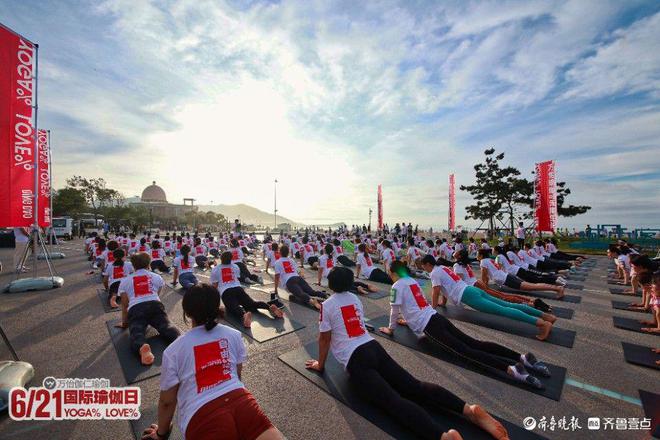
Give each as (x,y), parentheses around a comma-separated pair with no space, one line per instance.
(417,312)
(388,256)
(199,250)
(141,286)
(205,366)
(495,272)
(366,264)
(116,273)
(466,273)
(157,254)
(108,256)
(451,284)
(184,265)
(286,268)
(414,253)
(226,275)
(504,263)
(236,255)
(342,314)
(326,264)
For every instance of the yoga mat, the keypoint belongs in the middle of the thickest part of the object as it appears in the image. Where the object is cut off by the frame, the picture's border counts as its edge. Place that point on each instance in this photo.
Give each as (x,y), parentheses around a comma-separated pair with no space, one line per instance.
(640,355)
(543,294)
(631,324)
(620,290)
(404,336)
(133,370)
(149,415)
(558,336)
(284,295)
(574,286)
(622,305)
(264,327)
(576,278)
(616,282)
(334,381)
(651,405)
(103,297)
(563,313)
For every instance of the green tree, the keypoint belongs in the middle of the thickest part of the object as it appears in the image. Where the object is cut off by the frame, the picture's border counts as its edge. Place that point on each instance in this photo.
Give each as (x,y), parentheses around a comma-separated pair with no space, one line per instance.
(95,191)
(69,201)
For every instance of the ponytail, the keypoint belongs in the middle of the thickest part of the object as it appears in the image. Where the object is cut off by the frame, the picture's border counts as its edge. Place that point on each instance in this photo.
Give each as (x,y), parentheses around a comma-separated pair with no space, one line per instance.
(202,303)
(119,257)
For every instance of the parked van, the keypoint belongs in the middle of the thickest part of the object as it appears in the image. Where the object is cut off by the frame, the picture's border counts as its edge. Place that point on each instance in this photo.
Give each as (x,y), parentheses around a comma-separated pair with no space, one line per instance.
(63,227)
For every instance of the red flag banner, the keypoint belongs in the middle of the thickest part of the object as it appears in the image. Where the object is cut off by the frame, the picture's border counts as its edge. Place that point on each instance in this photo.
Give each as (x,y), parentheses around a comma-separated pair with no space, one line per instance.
(17,156)
(545,202)
(380,207)
(43,142)
(452,203)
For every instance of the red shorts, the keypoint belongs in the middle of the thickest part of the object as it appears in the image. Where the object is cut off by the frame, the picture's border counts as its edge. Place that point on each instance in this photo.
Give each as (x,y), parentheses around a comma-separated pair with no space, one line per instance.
(233,416)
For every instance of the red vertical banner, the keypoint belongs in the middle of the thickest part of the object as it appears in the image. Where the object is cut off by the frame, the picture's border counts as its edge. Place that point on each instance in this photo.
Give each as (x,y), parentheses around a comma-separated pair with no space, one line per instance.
(380,207)
(452,203)
(545,200)
(17,136)
(44,192)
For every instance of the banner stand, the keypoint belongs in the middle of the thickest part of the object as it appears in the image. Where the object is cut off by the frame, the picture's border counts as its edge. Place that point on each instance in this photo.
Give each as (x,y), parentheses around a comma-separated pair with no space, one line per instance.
(50,234)
(35,283)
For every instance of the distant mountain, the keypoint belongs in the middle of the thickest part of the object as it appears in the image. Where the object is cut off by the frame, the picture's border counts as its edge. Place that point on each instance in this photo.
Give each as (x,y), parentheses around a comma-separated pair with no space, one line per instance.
(248,215)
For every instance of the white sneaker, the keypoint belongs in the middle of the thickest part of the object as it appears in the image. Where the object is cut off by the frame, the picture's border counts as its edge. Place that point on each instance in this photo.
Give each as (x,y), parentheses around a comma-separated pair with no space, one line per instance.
(561,281)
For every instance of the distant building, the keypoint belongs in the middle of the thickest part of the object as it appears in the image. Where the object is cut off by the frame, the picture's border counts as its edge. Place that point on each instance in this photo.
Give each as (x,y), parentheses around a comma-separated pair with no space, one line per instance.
(155,201)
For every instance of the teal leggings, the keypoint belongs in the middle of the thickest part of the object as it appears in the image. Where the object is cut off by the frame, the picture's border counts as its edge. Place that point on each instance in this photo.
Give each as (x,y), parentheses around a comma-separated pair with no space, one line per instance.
(483,302)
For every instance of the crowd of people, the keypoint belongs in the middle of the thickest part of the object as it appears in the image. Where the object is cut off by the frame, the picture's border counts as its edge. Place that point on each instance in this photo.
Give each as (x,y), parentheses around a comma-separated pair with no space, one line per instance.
(201,368)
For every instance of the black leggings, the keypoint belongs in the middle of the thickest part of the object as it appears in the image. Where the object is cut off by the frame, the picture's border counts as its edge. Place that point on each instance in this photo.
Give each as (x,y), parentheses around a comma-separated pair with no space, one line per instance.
(313,259)
(160,265)
(201,260)
(384,383)
(531,277)
(379,276)
(551,265)
(345,261)
(245,273)
(301,290)
(442,332)
(354,287)
(149,313)
(238,302)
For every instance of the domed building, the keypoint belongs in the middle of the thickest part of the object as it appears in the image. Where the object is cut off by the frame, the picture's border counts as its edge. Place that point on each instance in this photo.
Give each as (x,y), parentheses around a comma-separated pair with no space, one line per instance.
(155,201)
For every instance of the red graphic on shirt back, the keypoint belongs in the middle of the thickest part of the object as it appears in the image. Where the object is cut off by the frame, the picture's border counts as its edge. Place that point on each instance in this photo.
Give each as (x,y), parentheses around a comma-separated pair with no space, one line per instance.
(117,272)
(142,248)
(185,264)
(277,256)
(234,255)
(339,250)
(211,364)
(497,266)
(368,260)
(352,321)
(99,251)
(329,263)
(451,274)
(288,268)
(469,271)
(155,254)
(419,296)
(110,257)
(141,285)
(227,274)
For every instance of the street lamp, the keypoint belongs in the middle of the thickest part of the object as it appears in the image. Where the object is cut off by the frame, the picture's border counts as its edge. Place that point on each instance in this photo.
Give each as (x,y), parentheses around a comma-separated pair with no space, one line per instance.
(370,211)
(275,192)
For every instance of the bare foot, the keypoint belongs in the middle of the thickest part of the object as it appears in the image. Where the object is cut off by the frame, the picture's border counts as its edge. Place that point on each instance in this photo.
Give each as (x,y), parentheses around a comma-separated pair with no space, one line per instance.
(485,421)
(560,292)
(247,319)
(146,356)
(548,317)
(276,311)
(651,329)
(361,290)
(113,302)
(315,304)
(647,322)
(545,328)
(656,350)
(451,435)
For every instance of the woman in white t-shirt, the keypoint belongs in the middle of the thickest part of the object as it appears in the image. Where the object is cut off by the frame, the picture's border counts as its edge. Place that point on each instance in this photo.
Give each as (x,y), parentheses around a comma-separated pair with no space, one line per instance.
(158,257)
(141,307)
(114,273)
(378,377)
(183,269)
(201,380)
(407,299)
(328,261)
(366,267)
(225,278)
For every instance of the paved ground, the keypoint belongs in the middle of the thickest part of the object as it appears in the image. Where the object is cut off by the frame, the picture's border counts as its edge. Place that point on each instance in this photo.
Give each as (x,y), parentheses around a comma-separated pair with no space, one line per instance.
(63,334)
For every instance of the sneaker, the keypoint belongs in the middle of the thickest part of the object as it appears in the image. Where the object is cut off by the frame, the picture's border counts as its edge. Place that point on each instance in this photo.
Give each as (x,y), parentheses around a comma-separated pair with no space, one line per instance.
(534,382)
(539,367)
(277,303)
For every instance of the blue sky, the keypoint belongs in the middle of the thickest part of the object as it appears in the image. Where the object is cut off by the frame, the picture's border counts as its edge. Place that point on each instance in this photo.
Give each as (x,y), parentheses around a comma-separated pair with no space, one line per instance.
(214,100)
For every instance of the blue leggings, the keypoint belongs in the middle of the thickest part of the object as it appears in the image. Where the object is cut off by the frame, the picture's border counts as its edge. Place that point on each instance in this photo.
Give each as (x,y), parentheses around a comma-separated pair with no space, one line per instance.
(187,280)
(483,302)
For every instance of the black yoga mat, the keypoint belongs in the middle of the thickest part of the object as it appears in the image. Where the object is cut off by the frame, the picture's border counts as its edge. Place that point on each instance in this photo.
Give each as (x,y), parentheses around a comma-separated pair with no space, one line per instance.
(580,278)
(651,405)
(149,415)
(264,326)
(558,336)
(574,286)
(620,290)
(631,324)
(404,336)
(334,381)
(133,370)
(544,294)
(103,297)
(563,313)
(616,282)
(622,305)
(640,355)
(283,294)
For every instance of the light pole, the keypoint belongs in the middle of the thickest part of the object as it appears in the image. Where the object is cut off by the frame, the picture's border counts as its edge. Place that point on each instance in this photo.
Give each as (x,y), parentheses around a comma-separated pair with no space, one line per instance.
(370,211)
(275,192)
